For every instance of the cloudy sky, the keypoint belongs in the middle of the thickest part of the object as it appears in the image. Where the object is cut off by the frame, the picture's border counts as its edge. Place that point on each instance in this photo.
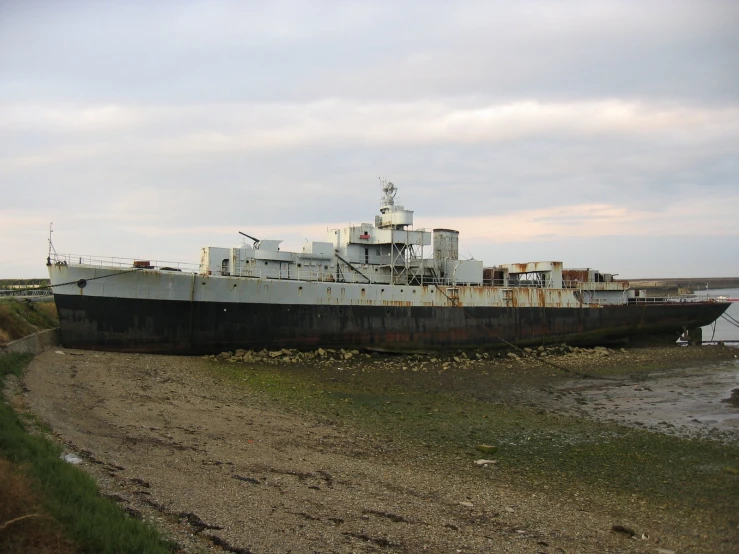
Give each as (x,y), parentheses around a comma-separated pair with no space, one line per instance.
(601,134)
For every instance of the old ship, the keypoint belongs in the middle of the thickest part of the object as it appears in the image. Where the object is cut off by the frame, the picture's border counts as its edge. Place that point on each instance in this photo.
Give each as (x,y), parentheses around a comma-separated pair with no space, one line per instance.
(367,286)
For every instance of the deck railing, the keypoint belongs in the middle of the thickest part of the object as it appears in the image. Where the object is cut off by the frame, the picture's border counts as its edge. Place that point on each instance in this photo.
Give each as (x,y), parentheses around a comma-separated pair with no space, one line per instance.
(113,262)
(26,293)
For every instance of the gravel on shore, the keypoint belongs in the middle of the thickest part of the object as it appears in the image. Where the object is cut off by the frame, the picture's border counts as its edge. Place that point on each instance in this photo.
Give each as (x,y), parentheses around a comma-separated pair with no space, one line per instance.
(347,451)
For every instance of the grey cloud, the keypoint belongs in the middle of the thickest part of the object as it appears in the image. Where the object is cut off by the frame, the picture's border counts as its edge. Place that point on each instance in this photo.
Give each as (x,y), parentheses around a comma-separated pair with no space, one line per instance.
(124,122)
(180,52)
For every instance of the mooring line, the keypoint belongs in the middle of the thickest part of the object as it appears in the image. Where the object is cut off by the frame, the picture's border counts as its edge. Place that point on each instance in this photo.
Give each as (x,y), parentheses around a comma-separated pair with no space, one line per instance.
(497,336)
(78,280)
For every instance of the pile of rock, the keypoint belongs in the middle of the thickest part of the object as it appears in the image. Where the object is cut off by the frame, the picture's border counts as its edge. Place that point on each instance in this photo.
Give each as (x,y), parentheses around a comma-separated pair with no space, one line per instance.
(418,362)
(286,355)
(561,350)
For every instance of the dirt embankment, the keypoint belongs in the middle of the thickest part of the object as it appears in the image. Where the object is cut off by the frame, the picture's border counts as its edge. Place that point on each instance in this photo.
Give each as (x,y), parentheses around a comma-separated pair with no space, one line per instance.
(19,319)
(345,453)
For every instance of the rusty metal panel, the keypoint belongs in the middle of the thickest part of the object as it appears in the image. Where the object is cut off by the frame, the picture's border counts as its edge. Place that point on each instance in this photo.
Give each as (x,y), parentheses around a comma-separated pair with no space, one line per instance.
(532,267)
(575,275)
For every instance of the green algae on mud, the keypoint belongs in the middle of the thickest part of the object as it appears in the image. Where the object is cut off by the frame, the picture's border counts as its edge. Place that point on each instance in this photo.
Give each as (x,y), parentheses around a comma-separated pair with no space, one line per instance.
(445,413)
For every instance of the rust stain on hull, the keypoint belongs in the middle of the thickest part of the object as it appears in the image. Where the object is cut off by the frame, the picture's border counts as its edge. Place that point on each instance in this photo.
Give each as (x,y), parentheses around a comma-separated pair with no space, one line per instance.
(201,327)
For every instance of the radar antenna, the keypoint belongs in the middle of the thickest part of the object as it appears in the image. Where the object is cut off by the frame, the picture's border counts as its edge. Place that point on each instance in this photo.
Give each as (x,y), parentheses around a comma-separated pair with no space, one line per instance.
(389,191)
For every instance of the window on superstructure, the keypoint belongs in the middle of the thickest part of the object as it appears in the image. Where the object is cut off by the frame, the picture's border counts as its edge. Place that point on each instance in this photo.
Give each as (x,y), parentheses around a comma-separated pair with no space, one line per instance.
(366,255)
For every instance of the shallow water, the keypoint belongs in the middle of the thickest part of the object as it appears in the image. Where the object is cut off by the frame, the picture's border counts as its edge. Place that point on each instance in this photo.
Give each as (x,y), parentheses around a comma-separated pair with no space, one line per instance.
(723,328)
(686,402)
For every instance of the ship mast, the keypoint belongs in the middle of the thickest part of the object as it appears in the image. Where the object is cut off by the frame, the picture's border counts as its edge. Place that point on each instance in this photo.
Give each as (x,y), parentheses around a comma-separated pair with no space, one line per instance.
(402,245)
(51,245)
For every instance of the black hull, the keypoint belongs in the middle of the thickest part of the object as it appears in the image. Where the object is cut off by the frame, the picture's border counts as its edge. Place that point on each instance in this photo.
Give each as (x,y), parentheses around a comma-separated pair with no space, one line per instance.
(124,324)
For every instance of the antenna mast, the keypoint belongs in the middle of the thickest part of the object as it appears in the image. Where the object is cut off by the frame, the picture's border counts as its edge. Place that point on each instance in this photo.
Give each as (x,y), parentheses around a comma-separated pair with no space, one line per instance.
(51,245)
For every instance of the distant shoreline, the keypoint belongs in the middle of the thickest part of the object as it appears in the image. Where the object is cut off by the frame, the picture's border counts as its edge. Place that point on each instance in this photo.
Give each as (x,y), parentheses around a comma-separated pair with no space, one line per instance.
(693,283)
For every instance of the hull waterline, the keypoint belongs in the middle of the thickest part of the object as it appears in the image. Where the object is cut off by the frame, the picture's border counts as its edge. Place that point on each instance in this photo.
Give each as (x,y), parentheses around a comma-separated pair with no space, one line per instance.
(143,325)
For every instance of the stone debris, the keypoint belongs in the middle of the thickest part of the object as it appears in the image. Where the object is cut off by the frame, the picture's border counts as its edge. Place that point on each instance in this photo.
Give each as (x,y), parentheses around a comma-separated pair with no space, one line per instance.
(561,358)
(71,459)
(486,448)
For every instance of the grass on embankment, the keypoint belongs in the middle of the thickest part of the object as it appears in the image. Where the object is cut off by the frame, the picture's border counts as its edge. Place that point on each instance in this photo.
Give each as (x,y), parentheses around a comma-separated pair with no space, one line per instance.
(65,494)
(447,414)
(19,319)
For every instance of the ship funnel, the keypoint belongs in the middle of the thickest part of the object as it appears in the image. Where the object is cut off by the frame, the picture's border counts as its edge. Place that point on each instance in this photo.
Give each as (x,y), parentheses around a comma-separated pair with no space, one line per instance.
(446,244)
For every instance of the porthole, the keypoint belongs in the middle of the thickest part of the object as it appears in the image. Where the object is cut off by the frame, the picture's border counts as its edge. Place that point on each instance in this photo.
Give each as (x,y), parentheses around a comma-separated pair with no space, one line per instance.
(82,283)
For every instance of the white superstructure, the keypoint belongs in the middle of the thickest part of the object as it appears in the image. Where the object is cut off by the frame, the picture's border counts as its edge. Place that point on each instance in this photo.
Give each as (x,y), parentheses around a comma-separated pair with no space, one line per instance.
(391,252)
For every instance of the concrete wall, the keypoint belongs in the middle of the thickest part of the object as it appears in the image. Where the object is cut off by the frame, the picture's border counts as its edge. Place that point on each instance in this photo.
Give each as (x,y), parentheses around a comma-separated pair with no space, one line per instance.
(33,344)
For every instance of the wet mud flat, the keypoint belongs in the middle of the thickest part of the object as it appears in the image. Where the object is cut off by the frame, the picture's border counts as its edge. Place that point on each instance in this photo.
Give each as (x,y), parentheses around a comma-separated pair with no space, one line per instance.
(363,453)
(693,402)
